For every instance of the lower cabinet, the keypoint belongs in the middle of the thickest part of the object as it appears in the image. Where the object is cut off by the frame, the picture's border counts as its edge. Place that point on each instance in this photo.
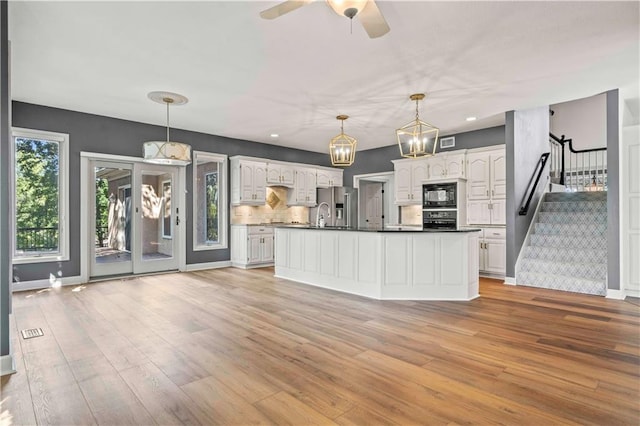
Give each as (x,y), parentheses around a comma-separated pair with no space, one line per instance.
(493,252)
(251,246)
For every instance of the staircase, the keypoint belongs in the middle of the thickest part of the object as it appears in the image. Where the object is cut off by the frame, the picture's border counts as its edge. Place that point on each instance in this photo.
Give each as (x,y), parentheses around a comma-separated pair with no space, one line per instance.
(568,246)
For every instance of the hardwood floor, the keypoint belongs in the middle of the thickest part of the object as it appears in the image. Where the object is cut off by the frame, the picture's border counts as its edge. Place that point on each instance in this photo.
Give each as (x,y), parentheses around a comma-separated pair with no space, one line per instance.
(230,346)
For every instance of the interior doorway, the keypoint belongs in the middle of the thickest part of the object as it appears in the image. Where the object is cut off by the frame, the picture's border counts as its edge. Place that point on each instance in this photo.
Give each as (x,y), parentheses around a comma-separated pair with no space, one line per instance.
(373,202)
(134,218)
(376,199)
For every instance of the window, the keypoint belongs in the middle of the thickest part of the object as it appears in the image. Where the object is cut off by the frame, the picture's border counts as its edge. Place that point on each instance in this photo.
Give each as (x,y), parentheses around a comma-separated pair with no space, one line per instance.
(166,215)
(40,202)
(209,201)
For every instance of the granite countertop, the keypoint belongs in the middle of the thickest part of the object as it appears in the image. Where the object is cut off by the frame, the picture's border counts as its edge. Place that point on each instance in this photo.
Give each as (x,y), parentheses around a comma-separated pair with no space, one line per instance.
(343,228)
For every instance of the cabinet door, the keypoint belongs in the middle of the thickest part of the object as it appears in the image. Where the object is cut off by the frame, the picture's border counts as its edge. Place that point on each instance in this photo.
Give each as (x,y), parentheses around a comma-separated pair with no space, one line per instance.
(482,255)
(455,166)
(478,177)
(419,173)
(246,182)
(437,167)
(496,256)
(310,184)
(287,175)
(336,178)
(498,212)
(266,254)
(273,174)
(323,178)
(498,175)
(402,178)
(254,249)
(478,213)
(260,182)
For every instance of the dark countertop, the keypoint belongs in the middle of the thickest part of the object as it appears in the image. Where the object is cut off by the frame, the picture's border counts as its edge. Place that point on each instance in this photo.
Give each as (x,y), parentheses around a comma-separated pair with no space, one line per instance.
(408,229)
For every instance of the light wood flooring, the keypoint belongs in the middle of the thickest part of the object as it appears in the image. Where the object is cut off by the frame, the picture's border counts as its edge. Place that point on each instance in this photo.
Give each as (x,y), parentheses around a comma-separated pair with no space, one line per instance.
(230,346)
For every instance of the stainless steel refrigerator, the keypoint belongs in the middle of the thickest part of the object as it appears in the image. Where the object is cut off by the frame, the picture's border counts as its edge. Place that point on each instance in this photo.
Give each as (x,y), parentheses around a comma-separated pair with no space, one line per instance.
(343,207)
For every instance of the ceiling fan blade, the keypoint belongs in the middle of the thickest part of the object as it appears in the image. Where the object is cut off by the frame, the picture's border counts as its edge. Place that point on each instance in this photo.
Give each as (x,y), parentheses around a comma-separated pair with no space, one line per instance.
(372,20)
(282,8)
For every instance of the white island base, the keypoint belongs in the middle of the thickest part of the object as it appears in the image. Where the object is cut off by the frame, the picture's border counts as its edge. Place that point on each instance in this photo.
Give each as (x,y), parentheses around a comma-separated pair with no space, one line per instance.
(381,265)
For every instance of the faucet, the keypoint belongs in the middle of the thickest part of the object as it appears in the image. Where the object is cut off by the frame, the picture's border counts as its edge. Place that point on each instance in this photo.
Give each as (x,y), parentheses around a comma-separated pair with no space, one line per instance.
(318,212)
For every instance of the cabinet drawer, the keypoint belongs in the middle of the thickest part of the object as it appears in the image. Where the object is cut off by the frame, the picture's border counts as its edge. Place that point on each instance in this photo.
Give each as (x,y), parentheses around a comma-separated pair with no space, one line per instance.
(260,230)
(495,233)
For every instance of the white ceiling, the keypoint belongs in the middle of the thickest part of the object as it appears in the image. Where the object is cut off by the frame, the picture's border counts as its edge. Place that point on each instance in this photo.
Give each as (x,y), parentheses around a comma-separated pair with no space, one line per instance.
(247,77)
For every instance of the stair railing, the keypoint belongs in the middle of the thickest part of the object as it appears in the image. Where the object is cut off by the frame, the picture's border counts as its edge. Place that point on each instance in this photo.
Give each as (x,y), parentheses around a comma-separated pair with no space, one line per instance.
(535,179)
(587,168)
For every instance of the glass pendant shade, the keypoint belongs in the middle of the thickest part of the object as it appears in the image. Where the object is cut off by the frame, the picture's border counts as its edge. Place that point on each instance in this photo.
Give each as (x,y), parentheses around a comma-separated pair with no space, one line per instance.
(417,138)
(167,152)
(342,148)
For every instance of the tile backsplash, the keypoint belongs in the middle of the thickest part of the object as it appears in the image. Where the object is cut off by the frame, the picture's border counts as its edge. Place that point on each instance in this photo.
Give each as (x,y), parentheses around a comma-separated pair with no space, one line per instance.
(275,210)
(411,215)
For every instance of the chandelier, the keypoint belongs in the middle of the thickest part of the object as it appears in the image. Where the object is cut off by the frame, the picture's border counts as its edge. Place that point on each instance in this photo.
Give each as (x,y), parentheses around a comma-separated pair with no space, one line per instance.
(342,148)
(167,152)
(417,138)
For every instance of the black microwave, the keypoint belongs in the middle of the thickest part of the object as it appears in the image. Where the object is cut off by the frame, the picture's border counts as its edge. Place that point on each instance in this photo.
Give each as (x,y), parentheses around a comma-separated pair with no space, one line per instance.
(439,195)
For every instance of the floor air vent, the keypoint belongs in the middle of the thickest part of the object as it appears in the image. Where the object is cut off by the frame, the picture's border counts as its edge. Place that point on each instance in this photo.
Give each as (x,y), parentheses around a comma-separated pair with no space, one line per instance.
(31,333)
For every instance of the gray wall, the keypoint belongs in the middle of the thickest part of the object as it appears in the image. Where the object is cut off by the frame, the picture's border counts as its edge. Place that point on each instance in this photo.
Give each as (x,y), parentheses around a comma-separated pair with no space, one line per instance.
(379,159)
(527,137)
(613,191)
(5,269)
(107,135)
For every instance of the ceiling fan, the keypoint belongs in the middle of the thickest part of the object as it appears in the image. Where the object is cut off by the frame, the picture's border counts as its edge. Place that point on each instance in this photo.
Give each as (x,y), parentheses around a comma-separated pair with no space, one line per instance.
(367,11)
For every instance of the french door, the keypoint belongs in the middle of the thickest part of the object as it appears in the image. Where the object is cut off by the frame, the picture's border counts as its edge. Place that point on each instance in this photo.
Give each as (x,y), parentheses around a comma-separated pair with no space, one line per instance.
(134,218)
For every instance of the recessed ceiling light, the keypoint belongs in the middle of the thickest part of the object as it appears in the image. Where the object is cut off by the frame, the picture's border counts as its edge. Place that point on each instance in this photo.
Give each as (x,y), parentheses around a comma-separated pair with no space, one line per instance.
(274,135)
(471,118)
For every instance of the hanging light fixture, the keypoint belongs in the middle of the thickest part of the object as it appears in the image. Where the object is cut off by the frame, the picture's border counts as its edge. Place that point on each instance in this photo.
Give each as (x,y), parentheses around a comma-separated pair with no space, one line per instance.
(417,138)
(167,152)
(342,148)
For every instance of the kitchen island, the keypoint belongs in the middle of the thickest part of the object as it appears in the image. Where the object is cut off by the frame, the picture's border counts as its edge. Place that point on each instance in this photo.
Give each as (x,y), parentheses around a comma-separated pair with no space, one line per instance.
(386,265)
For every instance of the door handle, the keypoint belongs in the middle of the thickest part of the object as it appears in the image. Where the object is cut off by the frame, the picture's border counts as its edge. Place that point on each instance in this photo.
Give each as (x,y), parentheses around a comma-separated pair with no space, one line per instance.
(177,220)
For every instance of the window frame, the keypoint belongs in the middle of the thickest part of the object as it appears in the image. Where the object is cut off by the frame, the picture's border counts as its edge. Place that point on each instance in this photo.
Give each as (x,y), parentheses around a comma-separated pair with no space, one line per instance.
(223,208)
(166,236)
(63,196)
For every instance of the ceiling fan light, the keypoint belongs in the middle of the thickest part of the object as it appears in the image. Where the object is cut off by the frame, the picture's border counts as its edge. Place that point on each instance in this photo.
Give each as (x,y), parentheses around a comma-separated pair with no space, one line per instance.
(342,7)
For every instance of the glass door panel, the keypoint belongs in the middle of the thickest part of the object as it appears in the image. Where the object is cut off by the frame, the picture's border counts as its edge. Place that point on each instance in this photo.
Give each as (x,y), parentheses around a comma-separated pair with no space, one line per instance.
(111,219)
(156,216)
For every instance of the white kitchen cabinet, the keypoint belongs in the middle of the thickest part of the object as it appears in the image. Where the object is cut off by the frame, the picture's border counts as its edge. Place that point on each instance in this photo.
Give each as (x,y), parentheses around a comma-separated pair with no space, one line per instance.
(445,166)
(327,178)
(493,252)
(251,246)
(486,187)
(248,182)
(304,189)
(280,175)
(409,176)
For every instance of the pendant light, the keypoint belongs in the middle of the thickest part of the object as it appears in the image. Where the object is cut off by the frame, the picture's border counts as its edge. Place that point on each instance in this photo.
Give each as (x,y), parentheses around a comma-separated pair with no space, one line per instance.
(167,152)
(342,148)
(417,138)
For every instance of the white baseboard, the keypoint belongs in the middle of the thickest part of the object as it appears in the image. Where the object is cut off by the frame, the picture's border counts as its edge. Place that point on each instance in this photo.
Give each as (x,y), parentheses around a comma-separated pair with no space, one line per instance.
(7,365)
(615,294)
(632,293)
(207,265)
(510,280)
(46,283)
(245,266)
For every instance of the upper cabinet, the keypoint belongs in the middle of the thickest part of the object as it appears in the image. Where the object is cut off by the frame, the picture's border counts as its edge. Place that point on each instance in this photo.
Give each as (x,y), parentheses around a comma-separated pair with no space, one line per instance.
(327,178)
(446,166)
(248,182)
(486,187)
(408,178)
(280,175)
(304,189)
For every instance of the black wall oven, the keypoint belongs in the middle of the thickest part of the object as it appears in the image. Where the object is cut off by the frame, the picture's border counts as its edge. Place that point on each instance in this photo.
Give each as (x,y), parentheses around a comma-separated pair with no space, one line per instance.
(439,219)
(440,196)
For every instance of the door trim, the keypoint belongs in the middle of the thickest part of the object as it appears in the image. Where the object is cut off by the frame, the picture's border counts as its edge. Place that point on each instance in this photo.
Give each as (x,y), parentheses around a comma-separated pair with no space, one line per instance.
(86,239)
